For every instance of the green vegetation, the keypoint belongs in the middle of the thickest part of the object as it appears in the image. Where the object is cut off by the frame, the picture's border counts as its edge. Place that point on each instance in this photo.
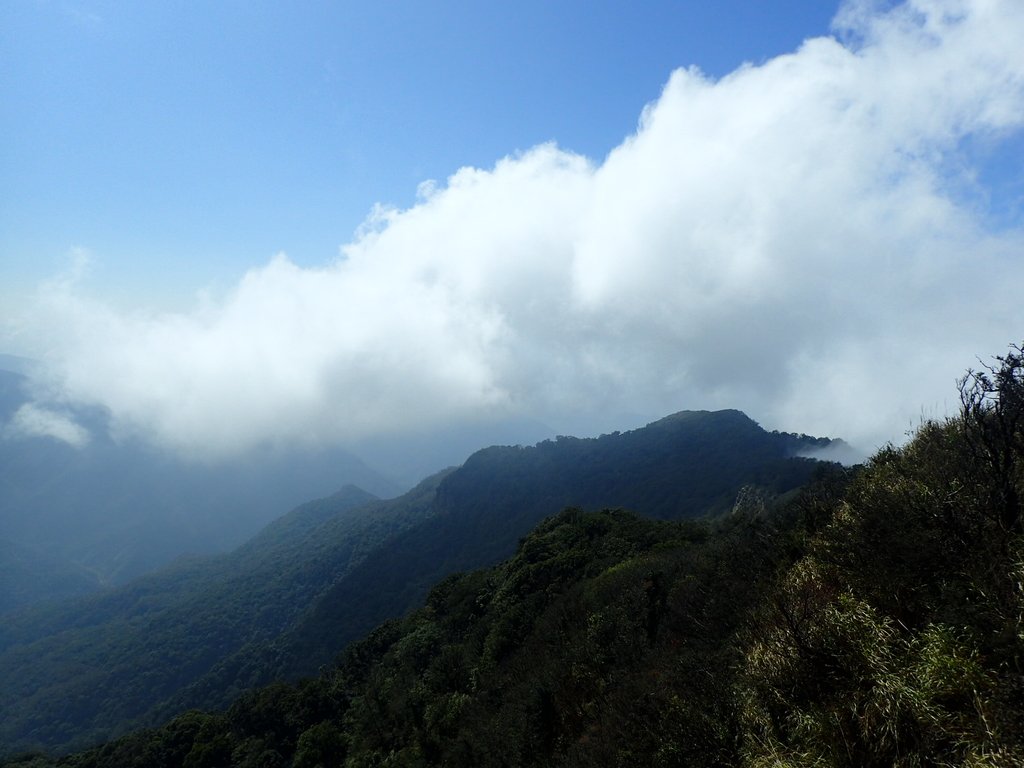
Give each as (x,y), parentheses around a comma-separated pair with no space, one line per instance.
(897,638)
(77,671)
(202,632)
(688,465)
(875,618)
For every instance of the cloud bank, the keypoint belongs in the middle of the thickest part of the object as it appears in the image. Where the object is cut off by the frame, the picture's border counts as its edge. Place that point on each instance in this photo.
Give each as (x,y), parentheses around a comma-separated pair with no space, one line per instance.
(30,420)
(806,239)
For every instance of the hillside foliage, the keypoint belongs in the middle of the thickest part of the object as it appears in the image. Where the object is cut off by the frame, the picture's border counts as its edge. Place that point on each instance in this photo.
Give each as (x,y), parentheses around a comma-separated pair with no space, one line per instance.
(874,618)
(200,633)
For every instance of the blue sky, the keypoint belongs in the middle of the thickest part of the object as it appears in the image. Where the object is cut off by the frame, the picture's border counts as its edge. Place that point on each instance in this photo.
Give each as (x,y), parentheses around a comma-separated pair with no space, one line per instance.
(181,143)
(215,225)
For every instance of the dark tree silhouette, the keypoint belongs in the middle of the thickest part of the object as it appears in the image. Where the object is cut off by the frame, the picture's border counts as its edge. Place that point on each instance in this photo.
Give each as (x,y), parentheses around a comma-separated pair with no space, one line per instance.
(992,409)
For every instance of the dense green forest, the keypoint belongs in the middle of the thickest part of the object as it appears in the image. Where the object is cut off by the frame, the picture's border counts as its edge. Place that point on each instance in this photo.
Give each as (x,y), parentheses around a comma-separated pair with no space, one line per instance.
(875,618)
(71,670)
(200,633)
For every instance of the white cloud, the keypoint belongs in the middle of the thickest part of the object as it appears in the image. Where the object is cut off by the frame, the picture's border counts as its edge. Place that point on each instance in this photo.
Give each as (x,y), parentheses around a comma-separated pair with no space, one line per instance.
(33,421)
(799,239)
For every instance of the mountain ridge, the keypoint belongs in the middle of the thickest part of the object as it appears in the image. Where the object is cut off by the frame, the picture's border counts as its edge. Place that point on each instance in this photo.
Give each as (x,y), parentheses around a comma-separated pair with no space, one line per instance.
(361,564)
(871,618)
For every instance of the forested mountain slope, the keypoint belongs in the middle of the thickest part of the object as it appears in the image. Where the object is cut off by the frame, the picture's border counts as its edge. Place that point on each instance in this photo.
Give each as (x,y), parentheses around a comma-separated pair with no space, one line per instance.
(686,465)
(85,669)
(874,619)
(203,631)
